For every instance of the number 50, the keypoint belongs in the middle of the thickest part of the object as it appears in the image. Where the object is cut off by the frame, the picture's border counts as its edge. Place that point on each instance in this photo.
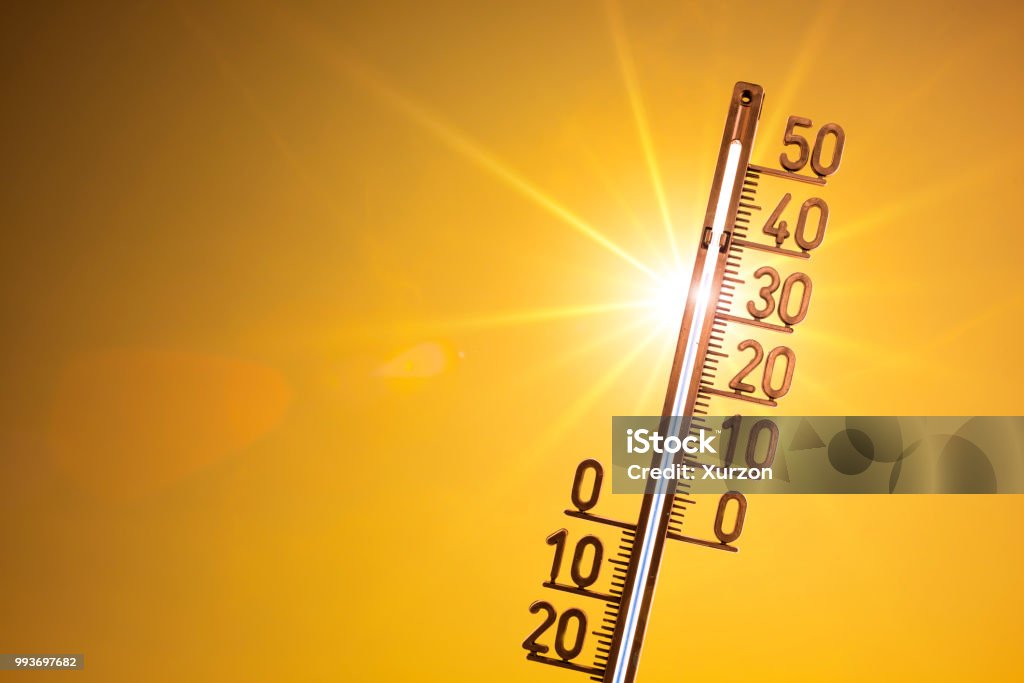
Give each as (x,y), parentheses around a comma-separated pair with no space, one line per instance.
(791,137)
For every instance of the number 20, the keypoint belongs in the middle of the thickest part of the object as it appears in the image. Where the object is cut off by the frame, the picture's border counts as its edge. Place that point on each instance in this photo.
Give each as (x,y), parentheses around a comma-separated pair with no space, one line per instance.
(737,382)
(564,650)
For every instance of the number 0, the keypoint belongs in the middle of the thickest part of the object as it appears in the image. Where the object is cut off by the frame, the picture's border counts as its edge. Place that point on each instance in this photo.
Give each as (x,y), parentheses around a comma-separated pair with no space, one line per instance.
(837,152)
(583,504)
(737,525)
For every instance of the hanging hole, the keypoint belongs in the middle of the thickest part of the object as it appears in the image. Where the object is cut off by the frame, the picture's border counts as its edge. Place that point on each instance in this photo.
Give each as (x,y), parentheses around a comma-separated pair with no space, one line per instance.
(746,97)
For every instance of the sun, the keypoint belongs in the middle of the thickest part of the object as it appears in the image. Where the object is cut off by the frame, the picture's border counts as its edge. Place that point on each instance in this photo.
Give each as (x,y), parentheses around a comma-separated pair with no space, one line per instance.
(667,299)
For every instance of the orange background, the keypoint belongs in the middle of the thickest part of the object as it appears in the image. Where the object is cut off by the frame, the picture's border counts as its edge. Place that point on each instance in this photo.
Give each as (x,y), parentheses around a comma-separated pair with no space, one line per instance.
(309,312)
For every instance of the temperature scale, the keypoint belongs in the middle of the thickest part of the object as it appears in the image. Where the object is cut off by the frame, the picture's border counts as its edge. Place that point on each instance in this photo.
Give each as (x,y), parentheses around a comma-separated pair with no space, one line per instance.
(792,227)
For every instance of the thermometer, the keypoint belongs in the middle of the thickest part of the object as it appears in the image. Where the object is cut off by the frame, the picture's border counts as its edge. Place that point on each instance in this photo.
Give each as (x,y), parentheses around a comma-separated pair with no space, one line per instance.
(791,224)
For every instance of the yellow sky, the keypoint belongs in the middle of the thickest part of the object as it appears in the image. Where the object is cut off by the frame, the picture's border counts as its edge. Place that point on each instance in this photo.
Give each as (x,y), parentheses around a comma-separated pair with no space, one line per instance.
(312,310)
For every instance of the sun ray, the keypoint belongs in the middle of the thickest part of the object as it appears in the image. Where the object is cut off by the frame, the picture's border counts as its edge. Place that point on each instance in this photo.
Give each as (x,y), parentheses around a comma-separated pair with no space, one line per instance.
(486,321)
(559,426)
(427,120)
(804,57)
(636,103)
(946,188)
(603,176)
(577,411)
(574,353)
(658,371)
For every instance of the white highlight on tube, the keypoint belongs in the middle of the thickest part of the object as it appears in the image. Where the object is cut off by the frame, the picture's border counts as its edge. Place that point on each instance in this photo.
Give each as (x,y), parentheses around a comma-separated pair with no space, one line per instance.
(700,312)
